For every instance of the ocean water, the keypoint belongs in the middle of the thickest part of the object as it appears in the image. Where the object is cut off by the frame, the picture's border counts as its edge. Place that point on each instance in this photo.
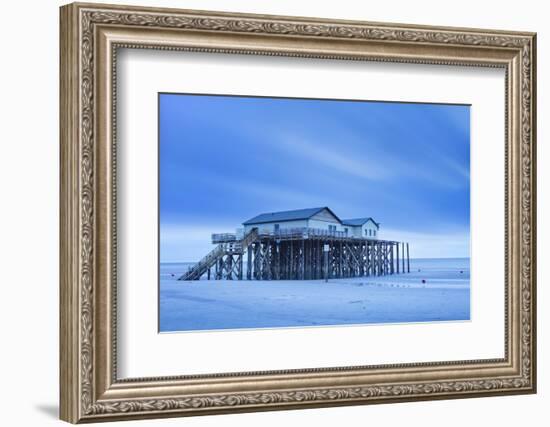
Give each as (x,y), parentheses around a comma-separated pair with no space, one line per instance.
(434,290)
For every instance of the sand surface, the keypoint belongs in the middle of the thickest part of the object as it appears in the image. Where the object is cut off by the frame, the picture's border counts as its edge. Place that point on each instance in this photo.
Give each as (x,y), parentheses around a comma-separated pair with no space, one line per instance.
(226,304)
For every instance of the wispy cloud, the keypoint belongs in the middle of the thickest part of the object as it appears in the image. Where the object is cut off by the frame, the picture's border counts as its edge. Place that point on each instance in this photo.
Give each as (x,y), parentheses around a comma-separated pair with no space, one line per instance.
(339,149)
(267,192)
(328,157)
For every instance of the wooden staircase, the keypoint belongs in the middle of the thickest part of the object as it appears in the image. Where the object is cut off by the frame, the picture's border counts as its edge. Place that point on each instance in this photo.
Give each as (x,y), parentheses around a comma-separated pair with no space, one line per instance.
(210,259)
(249,238)
(195,272)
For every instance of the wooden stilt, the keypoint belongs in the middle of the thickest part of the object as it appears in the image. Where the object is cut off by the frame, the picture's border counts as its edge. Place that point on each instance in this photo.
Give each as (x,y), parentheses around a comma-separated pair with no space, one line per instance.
(301,256)
(293,274)
(403,257)
(408,261)
(397,247)
(240,266)
(303,260)
(249,262)
(391,259)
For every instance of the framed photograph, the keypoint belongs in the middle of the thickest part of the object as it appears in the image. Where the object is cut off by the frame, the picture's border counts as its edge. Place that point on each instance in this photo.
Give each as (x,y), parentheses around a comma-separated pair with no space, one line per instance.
(266,212)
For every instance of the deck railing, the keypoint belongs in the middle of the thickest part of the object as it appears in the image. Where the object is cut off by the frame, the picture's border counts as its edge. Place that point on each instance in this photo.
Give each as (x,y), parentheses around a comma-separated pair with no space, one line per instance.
(306,232)
(224,237)
(287,233)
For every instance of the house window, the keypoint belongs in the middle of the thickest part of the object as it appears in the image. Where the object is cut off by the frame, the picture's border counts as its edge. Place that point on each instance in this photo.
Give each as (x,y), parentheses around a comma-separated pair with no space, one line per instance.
(276,228)
(331,228)
(374,233)
(346,231)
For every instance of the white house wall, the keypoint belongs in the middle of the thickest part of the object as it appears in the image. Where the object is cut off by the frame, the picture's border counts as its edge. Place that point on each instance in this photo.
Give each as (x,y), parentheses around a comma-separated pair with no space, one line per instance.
(369,225)
(325,215)
(355,231)
(321,221)
(323,225)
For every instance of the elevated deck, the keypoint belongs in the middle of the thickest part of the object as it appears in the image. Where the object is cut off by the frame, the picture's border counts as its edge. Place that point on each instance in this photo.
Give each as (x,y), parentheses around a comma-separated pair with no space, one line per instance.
(299,254)
(296,234)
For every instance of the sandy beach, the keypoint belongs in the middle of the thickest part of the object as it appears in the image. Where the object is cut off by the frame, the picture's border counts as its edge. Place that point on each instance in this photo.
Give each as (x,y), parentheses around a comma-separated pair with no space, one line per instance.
(224,304)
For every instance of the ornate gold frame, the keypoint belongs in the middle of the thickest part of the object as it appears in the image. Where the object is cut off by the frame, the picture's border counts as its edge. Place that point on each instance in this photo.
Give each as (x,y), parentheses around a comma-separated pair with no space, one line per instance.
(90,35)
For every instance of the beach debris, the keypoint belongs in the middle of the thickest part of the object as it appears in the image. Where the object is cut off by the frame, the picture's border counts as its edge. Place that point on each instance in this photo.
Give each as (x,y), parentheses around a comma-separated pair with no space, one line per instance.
(461,271)
(423,280)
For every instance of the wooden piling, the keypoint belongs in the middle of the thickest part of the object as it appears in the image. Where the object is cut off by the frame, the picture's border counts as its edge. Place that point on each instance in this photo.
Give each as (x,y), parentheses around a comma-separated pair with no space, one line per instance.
(398,261)
(303,257)
(240,265)
(408,263)
(249,262)
(403,257)
(391,259)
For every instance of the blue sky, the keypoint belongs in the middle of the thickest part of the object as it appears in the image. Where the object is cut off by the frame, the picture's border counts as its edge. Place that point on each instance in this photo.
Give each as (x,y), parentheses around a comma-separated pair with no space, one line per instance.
(226,159)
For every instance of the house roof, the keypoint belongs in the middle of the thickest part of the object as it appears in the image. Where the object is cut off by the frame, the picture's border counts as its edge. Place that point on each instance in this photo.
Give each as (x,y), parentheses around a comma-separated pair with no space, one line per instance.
(287,216)
(359,221)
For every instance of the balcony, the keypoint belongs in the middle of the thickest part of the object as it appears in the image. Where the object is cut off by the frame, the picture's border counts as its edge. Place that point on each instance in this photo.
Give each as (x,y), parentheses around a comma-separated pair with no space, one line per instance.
(224,237)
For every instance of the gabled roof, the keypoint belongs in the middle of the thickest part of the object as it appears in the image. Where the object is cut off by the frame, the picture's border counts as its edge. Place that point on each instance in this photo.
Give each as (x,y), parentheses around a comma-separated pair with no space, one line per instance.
(297,214)
(359,221)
